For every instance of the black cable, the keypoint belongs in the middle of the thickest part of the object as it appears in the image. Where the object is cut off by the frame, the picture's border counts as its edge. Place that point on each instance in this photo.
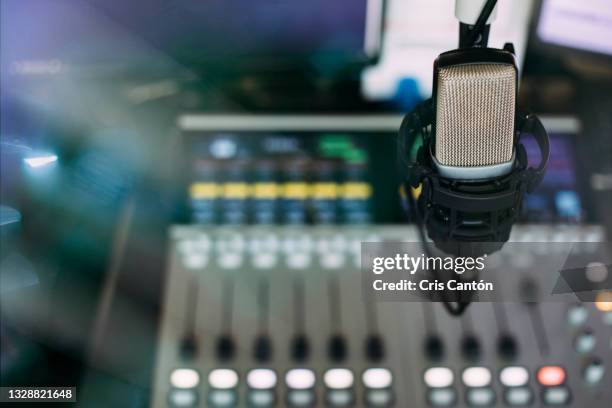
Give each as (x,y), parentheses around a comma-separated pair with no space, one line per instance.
(412,124)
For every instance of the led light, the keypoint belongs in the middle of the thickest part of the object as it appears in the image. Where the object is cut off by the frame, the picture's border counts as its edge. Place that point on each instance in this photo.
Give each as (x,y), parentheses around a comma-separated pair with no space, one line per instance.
(377,378)
(551,376)
(476,376)
(261,379)
(223,378)
(514,376)
(300,379)
(40,161)
(438,377)
(603,301)
(184,378)
(338,378)
(577,315)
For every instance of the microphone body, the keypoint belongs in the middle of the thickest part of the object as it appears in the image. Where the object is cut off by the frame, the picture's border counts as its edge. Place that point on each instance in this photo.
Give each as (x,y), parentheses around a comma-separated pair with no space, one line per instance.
(470,174)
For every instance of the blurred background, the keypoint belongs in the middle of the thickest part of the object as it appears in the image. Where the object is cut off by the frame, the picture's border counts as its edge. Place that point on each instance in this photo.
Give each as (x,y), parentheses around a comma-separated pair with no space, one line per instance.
(119,118)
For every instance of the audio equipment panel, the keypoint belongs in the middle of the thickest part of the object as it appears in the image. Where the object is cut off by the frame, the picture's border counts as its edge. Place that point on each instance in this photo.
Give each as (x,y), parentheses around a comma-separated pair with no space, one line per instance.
(270,316)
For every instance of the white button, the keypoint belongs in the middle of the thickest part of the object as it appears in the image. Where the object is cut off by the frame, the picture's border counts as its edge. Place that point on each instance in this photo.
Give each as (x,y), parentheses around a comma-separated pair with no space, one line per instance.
(594,372)
(261,379)
(518,396)
(338,378)
(195,260)
(476,376)
(183,398)
(230,260)
(514,376)
(265,260)
(184,378)
(556,396)
(301,243)
(438,377)
(300,379)
(585,342)
(480,397)
(377,378)
(442,397)
(577,315)
(267,243)
(223,378)
(332,260)
(299,260)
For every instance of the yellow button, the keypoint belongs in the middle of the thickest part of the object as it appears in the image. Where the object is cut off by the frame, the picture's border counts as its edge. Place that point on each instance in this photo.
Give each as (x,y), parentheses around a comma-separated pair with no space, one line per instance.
(356,190)
(204,190)
(236,190)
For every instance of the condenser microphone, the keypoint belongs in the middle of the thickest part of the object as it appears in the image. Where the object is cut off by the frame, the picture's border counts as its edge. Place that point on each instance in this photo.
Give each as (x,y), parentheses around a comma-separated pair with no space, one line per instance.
(475,107)
(470,173)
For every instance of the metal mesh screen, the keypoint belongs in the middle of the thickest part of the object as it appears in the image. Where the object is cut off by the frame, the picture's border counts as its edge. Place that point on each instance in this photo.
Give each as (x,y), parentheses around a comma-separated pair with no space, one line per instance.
(475,114)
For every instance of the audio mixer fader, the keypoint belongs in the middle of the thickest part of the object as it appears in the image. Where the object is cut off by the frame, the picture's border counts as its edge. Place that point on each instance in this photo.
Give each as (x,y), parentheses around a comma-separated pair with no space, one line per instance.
(263,317)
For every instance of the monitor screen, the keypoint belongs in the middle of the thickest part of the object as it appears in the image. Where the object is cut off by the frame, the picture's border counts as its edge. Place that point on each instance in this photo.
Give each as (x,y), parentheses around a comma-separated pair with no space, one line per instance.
(584,25)
(190,33)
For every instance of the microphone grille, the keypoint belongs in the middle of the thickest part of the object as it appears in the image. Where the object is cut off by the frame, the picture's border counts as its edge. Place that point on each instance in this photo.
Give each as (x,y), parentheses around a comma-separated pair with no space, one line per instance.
(475,111)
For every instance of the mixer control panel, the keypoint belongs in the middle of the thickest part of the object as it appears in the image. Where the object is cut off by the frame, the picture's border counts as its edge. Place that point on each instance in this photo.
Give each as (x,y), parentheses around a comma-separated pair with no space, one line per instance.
(276,317)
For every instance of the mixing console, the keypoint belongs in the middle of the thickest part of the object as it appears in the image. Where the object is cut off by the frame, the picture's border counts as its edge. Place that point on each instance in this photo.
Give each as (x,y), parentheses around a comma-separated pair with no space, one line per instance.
(270,316)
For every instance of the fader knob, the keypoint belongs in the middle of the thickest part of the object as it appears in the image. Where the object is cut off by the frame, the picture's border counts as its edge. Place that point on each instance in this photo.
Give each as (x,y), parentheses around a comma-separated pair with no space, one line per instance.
(300,348)
(375,348)
(225,348)
(434,348)
(507,347)
(470,347)
(262,349)
(337,348)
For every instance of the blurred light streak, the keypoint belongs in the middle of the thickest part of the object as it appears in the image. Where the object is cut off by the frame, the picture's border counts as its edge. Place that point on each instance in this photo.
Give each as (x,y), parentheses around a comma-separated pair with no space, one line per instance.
(40,161)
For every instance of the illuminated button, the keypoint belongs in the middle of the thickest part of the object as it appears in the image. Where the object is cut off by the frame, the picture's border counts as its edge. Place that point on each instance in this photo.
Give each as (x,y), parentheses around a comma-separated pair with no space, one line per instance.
(378,378)
(300,379)
(556,396)
(229,260)
(585,342)
(182,398)
(438,377)
(195,260)
(379,398)
(514,376)
(551,376)
(340,398)
(223,378)
(332,260)
(603,301)
(299,244)
(264,260)
(518,396)
(222,398)
(480,397)
(301,398)
(261,379)
(577,315)
(476,376)
(267,243)
(593,372)
(261,398)
(338,378)
(184,378)
(442,397)
(298,260)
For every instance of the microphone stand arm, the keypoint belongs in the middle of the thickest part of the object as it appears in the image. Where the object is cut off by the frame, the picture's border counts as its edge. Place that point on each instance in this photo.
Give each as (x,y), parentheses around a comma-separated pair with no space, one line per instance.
(475,18)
